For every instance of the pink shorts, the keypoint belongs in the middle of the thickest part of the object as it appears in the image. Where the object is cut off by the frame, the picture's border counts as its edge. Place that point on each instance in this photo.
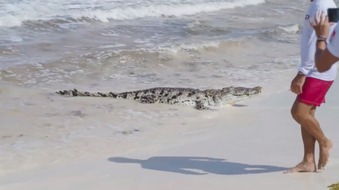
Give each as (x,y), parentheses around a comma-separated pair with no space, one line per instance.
(314,91)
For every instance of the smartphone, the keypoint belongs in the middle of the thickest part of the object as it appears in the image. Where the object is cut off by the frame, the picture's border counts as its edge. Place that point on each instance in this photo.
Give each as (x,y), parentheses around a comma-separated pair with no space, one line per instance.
(333,14)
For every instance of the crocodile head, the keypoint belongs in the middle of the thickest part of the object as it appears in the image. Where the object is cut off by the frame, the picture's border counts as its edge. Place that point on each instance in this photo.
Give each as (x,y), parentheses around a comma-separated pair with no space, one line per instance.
(230,95)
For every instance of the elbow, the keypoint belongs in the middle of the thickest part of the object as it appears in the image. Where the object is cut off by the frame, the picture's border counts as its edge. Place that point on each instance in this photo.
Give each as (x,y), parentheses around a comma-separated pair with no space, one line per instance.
(321,68)
(324,60)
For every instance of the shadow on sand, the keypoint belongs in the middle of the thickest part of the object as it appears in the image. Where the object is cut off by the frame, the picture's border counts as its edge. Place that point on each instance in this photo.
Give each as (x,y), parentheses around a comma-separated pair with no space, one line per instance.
(197,165)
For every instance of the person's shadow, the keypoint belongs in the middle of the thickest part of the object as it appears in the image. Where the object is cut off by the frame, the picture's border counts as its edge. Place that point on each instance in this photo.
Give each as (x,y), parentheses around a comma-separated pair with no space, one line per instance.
(198,165)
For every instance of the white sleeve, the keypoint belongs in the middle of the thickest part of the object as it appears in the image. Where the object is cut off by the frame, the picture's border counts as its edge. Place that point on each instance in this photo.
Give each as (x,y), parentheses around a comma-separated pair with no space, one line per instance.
(333,45)
(307,50)
(307,44)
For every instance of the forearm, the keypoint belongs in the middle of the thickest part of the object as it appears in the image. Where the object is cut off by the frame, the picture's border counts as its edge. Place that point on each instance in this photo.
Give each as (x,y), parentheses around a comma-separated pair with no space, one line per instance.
(323,60)
(320,48)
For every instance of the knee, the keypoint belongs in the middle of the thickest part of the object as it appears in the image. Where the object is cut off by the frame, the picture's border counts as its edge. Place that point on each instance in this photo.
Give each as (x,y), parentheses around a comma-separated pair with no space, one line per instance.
(297,115)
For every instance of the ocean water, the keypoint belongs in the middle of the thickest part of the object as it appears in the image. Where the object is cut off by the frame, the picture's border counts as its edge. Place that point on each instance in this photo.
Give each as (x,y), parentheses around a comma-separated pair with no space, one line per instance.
(119,45)
(146,43)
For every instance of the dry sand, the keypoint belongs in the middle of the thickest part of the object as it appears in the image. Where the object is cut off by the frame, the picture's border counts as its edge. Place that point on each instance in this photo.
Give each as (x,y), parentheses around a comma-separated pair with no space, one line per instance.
(51,142)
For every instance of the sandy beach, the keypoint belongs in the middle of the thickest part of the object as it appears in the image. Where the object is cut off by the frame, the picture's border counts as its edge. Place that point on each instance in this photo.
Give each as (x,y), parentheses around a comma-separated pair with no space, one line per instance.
(247,146)
(52,142)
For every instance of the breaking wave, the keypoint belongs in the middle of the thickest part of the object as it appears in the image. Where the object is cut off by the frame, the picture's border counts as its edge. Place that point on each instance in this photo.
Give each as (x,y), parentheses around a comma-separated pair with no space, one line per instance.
(17,12)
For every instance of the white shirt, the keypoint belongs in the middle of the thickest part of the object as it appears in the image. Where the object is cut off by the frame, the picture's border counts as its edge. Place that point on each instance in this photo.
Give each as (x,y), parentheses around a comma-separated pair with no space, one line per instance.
(308,42)
(333,45)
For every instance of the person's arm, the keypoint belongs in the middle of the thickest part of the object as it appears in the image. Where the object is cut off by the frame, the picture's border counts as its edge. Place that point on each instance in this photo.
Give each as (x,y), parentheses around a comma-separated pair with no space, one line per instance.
(297,83)
(307,50)
(324,59)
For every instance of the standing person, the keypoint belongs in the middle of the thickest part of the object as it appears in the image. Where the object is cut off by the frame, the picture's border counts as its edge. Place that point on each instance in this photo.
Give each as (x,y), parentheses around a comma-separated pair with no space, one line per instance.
(311,87)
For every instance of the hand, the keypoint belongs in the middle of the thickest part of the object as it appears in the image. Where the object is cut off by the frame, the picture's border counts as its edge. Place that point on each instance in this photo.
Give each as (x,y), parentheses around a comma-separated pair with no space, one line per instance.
(321,25)
(298,83)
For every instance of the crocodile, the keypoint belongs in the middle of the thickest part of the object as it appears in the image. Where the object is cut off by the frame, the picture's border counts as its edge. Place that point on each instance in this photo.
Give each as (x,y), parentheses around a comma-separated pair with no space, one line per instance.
(199,99)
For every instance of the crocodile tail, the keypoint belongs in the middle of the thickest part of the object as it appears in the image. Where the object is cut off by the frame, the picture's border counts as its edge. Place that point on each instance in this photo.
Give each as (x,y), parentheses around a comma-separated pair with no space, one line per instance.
(75,92)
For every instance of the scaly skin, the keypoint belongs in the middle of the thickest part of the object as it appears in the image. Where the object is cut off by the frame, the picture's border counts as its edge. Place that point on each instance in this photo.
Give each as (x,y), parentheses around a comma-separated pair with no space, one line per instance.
(200,99)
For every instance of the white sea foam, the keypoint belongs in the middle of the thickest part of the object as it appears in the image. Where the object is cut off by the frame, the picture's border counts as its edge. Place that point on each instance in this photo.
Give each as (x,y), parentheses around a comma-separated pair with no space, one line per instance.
(292,28)
(190,47)
(17,12)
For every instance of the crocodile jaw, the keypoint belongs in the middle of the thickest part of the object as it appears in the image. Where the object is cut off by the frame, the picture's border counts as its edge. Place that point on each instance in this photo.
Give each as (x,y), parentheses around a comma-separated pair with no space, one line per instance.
(231,95)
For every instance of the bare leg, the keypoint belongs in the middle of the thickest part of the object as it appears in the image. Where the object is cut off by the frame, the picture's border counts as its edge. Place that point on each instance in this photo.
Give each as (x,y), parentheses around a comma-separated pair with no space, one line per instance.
(308,162)
(324,154)
(302,114)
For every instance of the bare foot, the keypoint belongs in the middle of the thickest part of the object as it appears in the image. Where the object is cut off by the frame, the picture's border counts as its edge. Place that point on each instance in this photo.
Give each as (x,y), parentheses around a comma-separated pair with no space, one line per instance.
(302,167)
(324,155)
